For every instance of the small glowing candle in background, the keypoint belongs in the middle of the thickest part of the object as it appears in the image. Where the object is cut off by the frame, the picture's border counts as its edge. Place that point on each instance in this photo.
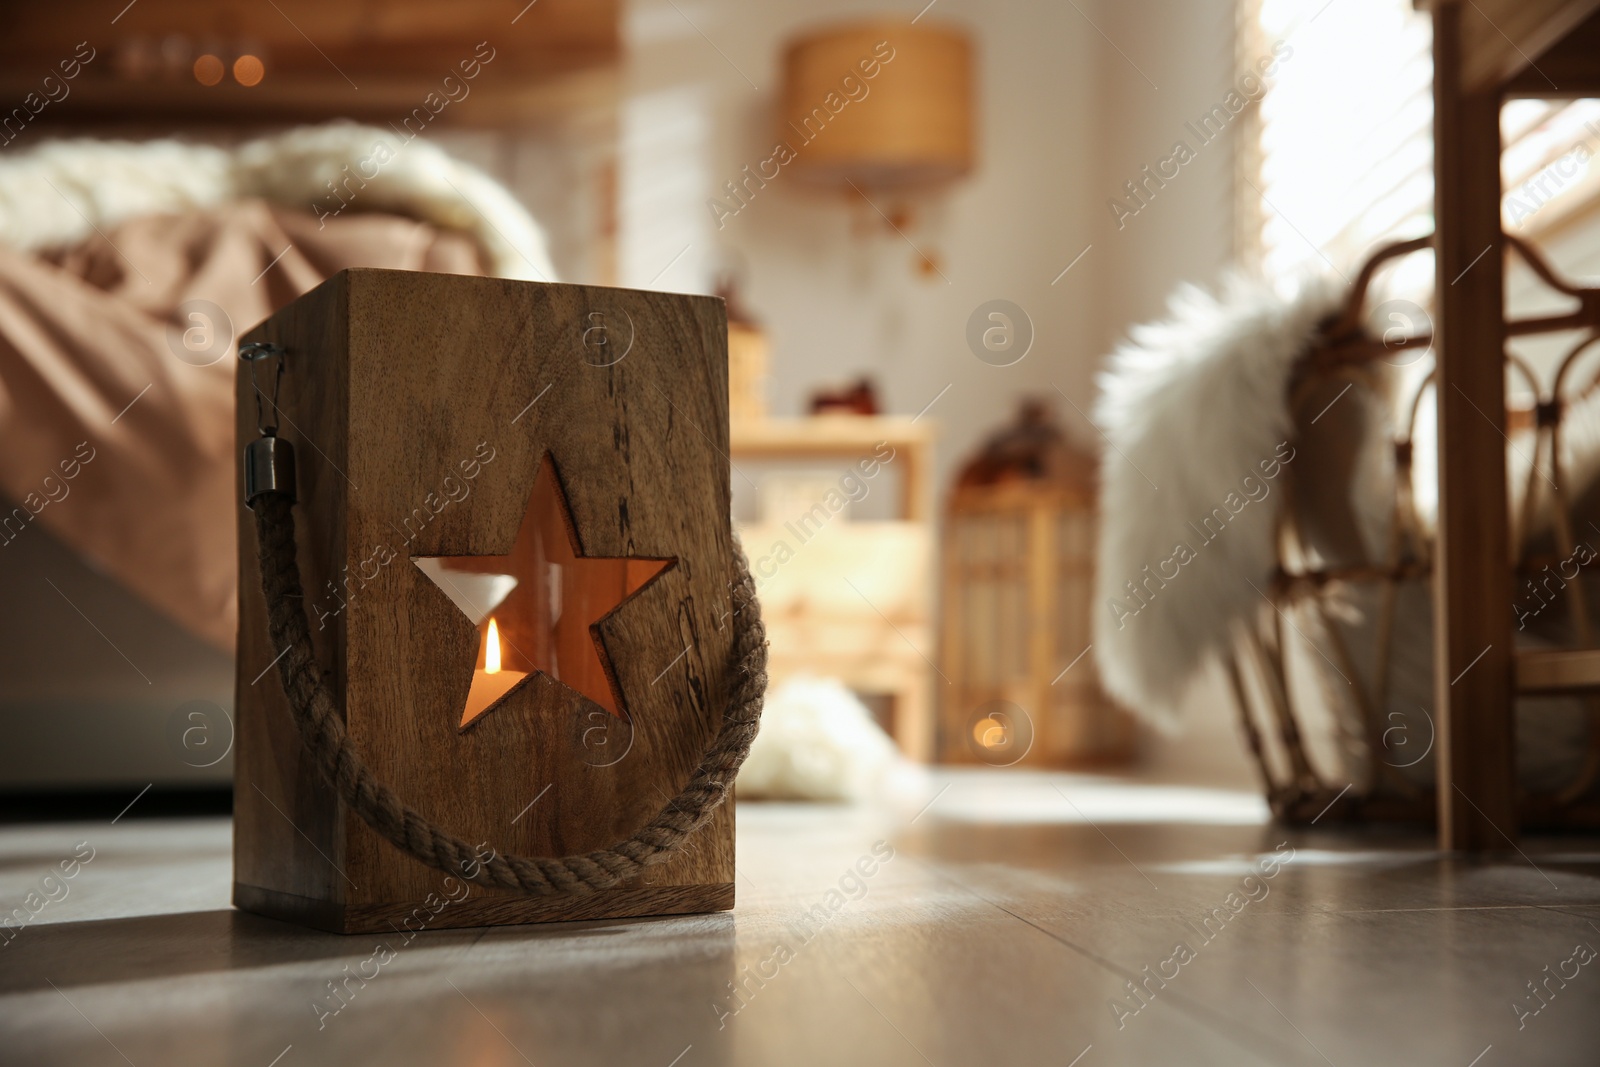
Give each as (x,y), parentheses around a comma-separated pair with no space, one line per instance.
(491,683)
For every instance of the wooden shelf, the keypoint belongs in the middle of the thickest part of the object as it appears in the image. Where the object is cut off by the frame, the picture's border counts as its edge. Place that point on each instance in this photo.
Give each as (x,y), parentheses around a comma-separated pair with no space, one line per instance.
(847,435)
(1558,671)
(875,631)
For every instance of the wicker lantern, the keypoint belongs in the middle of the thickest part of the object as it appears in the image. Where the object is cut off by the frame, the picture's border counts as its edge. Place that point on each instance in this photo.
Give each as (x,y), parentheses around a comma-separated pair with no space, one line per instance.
(1017,587)
(749,356)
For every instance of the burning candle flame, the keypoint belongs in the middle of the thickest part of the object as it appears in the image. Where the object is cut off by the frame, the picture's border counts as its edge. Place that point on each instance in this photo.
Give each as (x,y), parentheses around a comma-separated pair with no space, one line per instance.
(491,651)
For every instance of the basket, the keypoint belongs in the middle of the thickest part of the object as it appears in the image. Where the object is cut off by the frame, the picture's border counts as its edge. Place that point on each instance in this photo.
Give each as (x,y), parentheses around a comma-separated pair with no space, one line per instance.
(1333,678)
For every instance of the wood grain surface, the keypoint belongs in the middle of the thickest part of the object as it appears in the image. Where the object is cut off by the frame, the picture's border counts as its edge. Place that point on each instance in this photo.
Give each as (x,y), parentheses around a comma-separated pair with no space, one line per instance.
(1476,784)
(420,406)
(288,826)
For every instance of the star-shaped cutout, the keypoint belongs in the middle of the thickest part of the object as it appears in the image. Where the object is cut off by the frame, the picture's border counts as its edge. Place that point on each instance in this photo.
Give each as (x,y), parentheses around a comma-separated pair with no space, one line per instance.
(538,609)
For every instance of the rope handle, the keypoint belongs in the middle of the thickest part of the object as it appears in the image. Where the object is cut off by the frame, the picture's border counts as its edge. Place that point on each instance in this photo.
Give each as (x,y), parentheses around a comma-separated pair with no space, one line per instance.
(270,494)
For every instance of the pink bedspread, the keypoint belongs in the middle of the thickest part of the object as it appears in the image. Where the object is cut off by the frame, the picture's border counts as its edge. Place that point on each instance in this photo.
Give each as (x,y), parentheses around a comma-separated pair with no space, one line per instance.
(116,427)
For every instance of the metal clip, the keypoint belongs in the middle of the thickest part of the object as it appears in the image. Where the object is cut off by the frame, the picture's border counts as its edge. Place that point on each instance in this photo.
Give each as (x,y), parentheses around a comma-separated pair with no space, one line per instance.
(254,353)
(268,460)
(268,468)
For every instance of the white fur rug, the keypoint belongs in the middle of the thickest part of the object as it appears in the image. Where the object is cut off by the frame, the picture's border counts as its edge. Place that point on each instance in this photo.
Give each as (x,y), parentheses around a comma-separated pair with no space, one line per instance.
(1196,413)
(818,742)
(61,191)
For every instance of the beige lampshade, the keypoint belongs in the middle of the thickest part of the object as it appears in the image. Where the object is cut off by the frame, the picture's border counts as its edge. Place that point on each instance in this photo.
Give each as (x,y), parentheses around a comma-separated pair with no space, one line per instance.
(884,104)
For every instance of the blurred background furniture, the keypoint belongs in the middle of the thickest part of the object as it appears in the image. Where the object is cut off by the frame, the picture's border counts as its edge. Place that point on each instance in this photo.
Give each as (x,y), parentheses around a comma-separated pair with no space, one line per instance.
(99,680)
(188,62)
(917,136)
(1483,54)
(855,601)
(1333,677)
(1016,595)
(845,438)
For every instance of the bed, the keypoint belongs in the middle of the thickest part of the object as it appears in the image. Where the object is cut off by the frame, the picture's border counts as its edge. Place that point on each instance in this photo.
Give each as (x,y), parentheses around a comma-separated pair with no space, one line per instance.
(126,270)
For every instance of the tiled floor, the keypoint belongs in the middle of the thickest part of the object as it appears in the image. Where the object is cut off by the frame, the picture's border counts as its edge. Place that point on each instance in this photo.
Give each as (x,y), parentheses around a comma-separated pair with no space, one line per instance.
(1004,929)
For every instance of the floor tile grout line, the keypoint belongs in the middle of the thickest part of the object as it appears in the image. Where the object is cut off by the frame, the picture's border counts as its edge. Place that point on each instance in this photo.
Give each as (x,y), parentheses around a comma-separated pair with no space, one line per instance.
(1201,1014)
(1290,1021)
(1561,909)
(1105,835)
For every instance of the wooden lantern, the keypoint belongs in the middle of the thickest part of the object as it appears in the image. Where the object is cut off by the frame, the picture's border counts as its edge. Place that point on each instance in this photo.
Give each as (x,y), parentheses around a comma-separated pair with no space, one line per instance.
(1017,592)
(513,542)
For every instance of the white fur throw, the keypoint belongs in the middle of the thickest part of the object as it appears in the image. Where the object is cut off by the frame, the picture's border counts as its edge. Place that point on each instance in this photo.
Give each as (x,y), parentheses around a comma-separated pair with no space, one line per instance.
(60,192)
(1195,409)
(817,742)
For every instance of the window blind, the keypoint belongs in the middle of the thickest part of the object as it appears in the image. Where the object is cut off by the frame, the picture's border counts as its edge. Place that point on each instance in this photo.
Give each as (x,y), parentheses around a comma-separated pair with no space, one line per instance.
(1342,154)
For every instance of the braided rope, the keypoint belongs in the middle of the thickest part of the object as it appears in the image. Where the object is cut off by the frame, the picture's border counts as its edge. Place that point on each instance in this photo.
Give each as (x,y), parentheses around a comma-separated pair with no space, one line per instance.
(321,728)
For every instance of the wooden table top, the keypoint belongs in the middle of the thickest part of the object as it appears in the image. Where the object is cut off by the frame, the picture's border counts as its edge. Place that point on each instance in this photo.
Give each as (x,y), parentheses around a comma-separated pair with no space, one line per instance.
(1503,38)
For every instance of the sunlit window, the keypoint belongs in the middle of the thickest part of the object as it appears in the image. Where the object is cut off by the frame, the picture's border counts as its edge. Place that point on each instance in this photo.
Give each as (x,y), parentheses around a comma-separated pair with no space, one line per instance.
(1344,160)
(1346,157)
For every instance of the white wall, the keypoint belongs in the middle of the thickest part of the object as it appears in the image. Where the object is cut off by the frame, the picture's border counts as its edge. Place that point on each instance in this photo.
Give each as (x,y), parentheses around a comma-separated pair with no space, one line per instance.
(1186,233)
(835,303)
(1186,48)
(1064,120)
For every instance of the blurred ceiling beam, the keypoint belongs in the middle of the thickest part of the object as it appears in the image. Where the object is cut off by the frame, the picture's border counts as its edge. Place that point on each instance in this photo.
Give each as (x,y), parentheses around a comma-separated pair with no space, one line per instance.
(370,60)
